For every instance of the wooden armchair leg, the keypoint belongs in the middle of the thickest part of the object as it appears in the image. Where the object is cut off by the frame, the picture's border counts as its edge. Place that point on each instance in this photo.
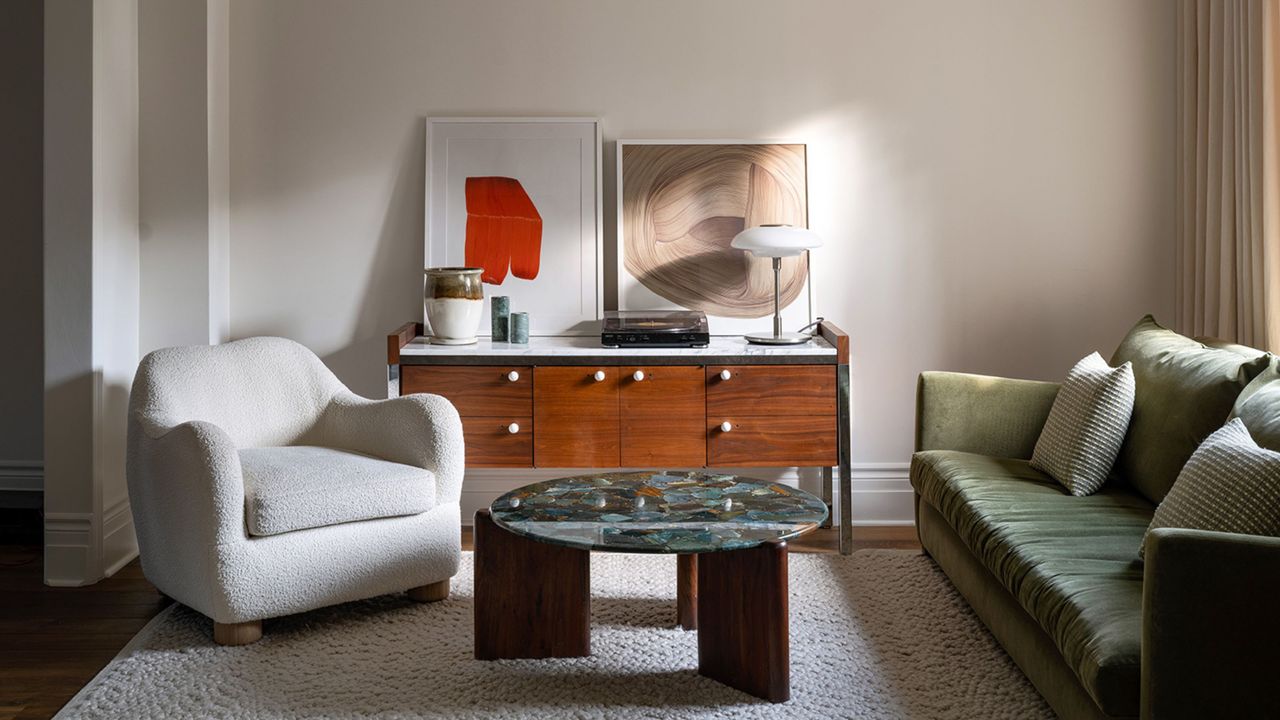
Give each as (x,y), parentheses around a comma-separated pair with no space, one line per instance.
(244,633)
(434,592)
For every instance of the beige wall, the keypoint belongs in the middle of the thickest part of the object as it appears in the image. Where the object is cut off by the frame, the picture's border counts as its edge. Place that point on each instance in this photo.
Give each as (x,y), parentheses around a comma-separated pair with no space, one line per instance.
(994,178)
(21,287)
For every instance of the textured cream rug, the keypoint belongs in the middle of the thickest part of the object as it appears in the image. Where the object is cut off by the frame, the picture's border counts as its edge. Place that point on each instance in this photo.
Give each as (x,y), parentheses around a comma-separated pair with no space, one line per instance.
(879,634)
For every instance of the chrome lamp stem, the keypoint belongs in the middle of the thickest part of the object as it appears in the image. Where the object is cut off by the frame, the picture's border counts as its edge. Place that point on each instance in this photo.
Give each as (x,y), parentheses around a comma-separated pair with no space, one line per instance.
(777,297)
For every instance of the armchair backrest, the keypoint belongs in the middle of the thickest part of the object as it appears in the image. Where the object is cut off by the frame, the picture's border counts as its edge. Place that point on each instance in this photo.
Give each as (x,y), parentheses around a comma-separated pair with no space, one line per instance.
(262,391)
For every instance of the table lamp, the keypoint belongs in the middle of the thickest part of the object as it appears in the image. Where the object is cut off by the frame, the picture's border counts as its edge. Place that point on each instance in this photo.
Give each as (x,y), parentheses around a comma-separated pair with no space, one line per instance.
(777,242)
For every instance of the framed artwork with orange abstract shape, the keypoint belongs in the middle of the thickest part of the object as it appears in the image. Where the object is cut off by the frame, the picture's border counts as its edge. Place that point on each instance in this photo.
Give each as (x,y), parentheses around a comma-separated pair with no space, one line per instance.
(521,199)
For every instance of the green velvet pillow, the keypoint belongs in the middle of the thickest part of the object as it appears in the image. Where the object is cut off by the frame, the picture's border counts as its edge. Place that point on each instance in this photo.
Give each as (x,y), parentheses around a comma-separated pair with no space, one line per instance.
(1259,407)
(1184,392)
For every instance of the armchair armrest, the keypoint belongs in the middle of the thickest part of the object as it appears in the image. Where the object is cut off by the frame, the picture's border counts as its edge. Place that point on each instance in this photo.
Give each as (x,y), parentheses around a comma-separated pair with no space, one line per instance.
(420,430)
(189,475)
(1210,626)
(981,414)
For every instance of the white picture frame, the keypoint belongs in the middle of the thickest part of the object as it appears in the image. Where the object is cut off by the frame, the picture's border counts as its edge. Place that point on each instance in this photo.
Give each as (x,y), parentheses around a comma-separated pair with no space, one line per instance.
(633,295)
(557,160)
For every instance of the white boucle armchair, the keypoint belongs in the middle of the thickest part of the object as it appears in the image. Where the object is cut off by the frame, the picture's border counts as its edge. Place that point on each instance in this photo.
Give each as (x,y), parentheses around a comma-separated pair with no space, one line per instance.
(261,486)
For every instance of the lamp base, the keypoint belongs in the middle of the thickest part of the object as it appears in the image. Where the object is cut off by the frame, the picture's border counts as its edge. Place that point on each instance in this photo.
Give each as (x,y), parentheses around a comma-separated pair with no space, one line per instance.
(786,338)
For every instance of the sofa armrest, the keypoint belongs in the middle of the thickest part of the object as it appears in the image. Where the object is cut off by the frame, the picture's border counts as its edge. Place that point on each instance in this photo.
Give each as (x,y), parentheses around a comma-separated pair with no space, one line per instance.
(981,414)
(420,430)
(1209,625)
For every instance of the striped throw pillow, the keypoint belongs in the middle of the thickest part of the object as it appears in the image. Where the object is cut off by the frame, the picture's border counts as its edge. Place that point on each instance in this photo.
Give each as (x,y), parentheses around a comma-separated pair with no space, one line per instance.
(1086,425)
(1230,484)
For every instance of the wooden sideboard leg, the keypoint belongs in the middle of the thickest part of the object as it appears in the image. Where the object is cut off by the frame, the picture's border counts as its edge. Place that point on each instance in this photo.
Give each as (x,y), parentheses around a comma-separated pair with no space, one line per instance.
(687,591)
(244,633)
(532,599)
(435,592)
(743,627)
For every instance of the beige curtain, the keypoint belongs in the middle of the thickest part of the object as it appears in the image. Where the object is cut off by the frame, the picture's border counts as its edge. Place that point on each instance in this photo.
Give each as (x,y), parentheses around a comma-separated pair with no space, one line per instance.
(1228,281)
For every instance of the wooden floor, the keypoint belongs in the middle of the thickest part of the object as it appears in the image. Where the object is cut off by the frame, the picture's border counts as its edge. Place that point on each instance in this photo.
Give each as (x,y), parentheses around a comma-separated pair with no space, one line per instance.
(54,640)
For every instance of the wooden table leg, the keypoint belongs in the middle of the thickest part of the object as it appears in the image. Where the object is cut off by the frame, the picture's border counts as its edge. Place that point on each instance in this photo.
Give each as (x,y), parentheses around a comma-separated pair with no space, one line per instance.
(532,599)
(743,629)
(687,591)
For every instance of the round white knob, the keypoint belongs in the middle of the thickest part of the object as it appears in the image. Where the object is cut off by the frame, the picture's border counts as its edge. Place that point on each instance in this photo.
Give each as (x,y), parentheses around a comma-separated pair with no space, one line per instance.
(725,426)
(513,428)
(725,374)
(599,376)
(513,376)
(638,375)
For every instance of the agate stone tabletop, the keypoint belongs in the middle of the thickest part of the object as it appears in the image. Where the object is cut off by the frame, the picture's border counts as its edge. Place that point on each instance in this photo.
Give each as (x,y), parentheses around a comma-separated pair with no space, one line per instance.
(658,512)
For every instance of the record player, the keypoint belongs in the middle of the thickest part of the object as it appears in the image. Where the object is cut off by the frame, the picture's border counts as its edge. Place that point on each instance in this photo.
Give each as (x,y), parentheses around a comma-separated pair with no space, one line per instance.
(655,329)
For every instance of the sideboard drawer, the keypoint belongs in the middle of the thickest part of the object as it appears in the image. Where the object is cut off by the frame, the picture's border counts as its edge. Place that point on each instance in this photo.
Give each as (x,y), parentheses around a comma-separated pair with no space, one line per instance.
(771,390)
(491,442)
(477,391)
(771,441)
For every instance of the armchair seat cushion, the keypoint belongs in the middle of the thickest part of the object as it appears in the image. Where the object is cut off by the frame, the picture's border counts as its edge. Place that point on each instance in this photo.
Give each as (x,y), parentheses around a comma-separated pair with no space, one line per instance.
(1069,561)
(301,487)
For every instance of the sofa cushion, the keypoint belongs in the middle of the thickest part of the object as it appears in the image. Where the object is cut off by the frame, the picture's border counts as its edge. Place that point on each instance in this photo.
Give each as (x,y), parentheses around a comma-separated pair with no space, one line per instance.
(1185,390)
(1071,562)
(1259,407)
(295,488)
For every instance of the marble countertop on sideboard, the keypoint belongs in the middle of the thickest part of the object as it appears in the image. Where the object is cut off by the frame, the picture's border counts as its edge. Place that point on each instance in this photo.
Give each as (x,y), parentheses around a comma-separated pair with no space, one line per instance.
(577,350)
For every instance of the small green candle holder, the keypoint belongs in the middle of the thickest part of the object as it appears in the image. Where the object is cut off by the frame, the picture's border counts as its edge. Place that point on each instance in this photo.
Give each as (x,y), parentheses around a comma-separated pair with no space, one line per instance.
(500,317)
(520,328)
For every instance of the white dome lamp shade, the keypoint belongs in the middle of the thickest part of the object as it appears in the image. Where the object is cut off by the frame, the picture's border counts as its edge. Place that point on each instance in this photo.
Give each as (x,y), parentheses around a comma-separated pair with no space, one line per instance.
(777,242)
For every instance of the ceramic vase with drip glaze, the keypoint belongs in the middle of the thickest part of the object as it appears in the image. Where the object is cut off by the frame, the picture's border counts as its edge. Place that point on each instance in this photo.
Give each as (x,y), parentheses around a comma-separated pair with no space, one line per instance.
(454,299)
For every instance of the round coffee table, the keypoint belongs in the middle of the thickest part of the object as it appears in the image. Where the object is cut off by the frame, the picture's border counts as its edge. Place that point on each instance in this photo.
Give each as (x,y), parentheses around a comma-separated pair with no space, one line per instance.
(532,565)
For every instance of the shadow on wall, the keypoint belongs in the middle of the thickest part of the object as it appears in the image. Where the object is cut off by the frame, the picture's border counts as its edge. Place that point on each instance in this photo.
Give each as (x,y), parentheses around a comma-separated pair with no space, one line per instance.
(393,289)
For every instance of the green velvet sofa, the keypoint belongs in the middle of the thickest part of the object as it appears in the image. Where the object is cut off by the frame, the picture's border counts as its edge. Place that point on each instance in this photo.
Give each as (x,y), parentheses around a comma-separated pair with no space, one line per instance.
(1194,632)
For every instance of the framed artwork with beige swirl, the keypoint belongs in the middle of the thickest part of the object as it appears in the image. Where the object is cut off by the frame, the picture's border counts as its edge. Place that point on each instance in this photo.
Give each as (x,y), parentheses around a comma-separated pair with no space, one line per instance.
(680,203)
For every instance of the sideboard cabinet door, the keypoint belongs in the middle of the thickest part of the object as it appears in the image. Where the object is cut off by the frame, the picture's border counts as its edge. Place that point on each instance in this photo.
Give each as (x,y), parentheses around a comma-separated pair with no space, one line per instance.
(575,411)
(663,416)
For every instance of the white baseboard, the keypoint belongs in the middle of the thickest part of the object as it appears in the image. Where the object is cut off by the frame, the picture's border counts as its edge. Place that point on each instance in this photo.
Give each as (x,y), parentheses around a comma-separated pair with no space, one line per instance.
(882,494)
(21,476)
(69,549)
(881,491)
(119,542)
(73,556)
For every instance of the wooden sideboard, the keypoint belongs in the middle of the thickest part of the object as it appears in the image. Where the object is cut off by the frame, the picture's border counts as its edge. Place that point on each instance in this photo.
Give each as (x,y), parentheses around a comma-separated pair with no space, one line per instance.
(568,402)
